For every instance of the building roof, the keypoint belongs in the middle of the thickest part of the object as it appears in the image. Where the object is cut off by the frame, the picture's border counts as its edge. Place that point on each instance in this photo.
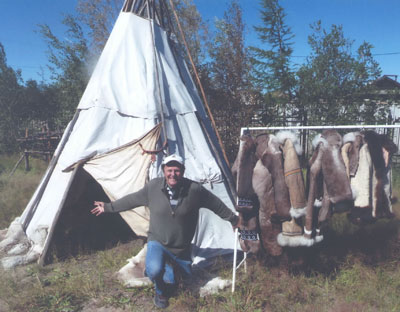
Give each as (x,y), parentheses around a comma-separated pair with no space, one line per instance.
(387,83)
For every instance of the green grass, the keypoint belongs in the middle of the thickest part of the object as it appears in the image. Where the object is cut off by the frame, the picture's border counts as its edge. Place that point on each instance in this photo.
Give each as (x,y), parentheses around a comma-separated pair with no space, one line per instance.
(16,190)
(67,285)
(354,269)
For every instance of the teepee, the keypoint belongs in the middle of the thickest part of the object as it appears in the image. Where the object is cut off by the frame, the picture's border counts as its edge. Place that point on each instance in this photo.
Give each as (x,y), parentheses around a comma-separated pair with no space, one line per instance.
(139,105)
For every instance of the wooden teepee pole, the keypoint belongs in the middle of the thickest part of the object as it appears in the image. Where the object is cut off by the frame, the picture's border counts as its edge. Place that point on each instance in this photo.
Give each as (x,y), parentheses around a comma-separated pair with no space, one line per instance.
(199,82)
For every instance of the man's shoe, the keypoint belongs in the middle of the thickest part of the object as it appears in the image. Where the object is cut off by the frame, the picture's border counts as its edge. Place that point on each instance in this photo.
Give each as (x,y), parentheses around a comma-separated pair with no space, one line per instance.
(160,301)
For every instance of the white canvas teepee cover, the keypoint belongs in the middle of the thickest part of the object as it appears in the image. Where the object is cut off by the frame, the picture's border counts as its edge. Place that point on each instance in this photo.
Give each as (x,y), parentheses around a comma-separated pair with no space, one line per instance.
(138,80)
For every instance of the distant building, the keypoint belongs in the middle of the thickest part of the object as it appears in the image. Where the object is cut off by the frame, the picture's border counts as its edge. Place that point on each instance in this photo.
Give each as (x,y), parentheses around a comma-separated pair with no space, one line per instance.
(388,91)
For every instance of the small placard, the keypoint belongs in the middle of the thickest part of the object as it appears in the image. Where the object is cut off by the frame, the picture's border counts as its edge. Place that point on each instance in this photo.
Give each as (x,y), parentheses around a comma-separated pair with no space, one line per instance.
(248,235)
(245,203)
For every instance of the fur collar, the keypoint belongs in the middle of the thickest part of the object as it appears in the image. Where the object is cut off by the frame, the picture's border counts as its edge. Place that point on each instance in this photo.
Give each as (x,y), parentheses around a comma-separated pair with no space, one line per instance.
(317,140)
(350,137)
(284,135)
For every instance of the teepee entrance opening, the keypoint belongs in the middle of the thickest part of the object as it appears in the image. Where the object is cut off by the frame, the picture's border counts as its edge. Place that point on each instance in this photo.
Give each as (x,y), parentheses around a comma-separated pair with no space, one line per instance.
(77,231)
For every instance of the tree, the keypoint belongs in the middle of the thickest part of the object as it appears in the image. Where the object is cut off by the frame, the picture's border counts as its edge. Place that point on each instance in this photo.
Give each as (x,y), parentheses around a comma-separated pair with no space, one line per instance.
(333,83)
(192,36)
(367,71)
(231,94)
(38,104)
(272,71)
(194,29)
(11,92)
(99,16)
(69,66)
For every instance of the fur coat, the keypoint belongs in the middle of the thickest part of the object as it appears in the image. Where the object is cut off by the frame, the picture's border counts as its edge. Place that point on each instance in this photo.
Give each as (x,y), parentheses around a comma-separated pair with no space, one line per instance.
(327,174)
(369,174)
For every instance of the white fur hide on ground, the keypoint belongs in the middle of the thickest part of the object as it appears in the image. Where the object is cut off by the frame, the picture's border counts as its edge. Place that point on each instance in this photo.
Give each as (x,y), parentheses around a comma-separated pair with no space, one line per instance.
(3,234)
(132,274)
(21,250)
(15,234)
(213,286)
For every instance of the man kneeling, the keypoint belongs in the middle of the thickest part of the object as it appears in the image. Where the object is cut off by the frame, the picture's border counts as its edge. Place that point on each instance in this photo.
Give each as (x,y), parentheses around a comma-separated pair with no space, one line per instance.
(174,203)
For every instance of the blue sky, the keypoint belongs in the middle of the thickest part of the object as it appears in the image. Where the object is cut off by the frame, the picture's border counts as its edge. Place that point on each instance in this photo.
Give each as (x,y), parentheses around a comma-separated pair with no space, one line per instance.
(374,21)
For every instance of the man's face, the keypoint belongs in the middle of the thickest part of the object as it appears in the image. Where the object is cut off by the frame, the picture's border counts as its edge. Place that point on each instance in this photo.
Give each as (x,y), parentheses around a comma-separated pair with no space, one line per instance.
(173,174)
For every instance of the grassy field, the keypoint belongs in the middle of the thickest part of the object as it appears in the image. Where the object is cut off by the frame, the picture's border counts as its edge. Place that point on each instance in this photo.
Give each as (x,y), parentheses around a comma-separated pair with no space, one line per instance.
(353,269)
(17,189)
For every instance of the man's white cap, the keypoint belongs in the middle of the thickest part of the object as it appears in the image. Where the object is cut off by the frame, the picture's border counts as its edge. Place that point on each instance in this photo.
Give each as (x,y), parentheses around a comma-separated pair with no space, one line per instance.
(171,158)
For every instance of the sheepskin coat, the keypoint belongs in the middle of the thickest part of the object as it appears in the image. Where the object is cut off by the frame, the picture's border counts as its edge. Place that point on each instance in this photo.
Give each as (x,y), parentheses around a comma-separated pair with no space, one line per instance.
(327,162)
(242,171)
(263,186)
(370,172)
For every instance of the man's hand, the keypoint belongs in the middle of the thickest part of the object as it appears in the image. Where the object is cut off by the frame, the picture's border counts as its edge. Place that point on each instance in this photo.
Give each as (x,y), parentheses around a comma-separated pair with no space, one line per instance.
(98,208)
(239,223)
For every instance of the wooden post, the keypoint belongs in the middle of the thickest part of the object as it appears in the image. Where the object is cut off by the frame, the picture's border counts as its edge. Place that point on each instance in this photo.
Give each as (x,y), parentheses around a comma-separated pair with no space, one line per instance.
(16,165)
(26,155)
(43,183)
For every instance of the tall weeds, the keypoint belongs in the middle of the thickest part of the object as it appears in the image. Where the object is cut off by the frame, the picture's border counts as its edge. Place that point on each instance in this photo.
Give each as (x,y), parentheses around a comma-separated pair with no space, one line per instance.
(16,190)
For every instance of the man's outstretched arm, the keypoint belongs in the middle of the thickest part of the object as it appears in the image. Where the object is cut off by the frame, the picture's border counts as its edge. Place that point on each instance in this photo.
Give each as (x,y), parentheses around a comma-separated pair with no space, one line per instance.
(215,204)
(125,203)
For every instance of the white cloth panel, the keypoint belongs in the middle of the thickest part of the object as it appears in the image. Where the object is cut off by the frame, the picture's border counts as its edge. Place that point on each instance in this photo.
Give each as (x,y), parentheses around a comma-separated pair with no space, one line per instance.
(100,130)
(125,171)
(125,78)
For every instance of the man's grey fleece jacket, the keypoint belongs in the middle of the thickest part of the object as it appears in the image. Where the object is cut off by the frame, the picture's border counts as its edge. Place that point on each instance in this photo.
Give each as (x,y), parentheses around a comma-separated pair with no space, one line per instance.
(174,229)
